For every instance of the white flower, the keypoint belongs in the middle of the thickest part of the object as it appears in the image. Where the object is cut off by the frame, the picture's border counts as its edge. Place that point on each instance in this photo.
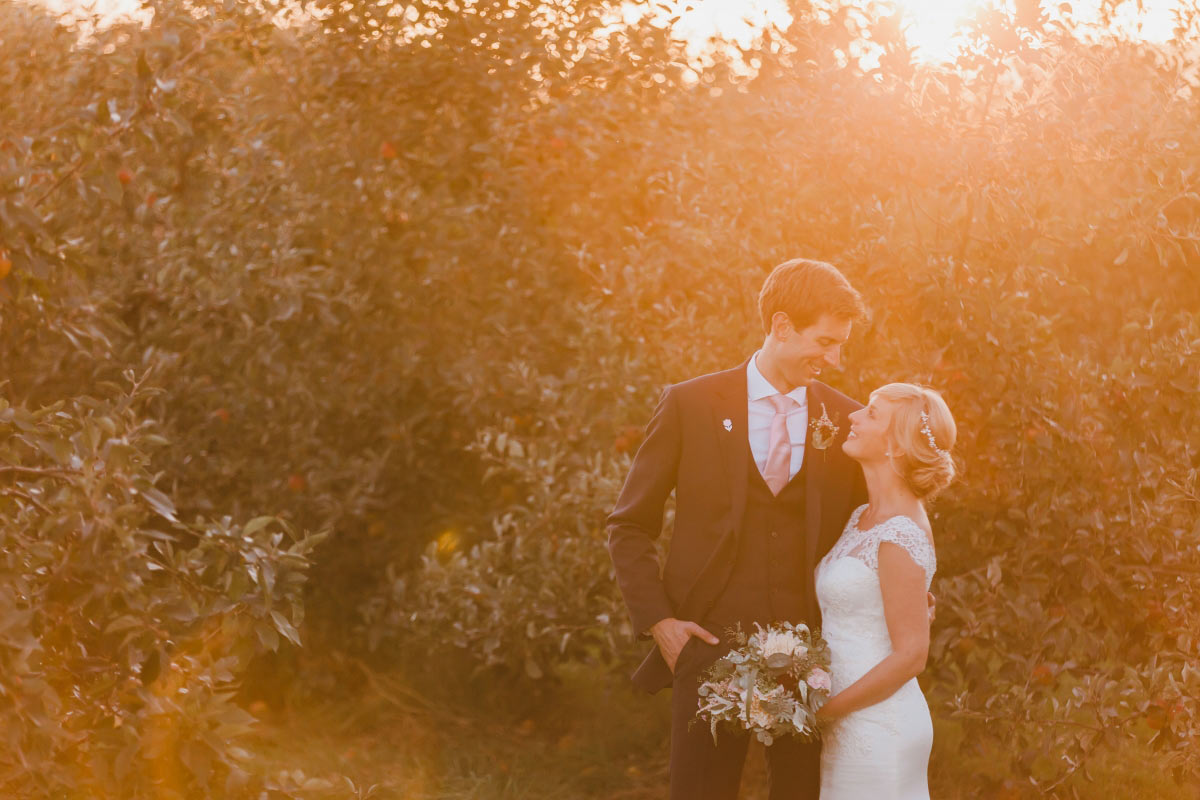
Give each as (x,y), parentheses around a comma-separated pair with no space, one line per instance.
(819,679)
(784,642)
(728,423)
(758,716)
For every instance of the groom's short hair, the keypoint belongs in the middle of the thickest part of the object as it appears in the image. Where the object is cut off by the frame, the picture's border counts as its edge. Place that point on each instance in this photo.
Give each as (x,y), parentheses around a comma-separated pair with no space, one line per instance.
(805,289)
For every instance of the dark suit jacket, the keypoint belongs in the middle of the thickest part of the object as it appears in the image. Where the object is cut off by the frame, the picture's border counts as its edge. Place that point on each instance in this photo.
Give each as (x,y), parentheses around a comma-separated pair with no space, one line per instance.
(688,449)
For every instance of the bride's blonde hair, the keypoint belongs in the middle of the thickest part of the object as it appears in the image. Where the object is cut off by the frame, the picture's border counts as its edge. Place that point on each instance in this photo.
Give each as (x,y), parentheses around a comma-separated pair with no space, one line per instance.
(923,428)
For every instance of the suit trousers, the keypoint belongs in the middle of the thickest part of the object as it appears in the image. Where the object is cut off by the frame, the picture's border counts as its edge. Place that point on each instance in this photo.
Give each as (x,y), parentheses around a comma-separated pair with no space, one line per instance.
(704,770)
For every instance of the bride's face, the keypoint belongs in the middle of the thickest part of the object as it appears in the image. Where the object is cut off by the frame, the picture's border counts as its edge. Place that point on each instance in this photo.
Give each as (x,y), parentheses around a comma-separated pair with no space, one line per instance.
(868,436)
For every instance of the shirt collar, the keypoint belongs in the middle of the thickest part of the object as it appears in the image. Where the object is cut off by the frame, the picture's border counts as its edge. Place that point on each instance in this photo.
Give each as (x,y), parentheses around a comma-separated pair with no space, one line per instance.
(758,387)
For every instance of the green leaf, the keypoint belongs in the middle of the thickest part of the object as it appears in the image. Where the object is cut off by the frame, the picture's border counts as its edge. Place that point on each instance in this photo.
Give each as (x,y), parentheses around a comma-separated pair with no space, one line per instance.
(160,503)
(123,623)
(257,524)
(285,627)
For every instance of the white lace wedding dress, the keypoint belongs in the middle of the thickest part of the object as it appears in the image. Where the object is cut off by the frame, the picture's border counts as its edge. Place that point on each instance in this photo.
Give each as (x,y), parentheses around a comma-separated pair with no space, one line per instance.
(880,752)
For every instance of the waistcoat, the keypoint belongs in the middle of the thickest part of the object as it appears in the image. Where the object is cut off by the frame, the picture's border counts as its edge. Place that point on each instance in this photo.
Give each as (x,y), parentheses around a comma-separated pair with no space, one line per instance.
(767,582)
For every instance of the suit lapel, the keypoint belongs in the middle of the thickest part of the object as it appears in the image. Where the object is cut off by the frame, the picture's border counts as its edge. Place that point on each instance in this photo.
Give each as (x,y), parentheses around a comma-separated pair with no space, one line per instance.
(729,410)
(728,407)
(729,404)
(815,480)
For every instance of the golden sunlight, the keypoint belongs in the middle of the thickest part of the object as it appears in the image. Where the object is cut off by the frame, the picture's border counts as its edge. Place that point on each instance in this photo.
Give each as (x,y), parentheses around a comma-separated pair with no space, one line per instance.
(931,26)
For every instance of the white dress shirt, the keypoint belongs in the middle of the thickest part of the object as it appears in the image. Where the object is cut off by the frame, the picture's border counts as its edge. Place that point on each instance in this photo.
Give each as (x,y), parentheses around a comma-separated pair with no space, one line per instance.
(762,412)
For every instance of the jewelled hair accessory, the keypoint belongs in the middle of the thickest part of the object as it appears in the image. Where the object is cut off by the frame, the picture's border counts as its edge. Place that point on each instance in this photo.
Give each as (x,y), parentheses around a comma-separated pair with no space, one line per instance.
(925,429)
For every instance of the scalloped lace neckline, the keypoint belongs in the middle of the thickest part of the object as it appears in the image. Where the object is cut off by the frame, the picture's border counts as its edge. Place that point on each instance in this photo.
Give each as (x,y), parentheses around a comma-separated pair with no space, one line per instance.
(858,515)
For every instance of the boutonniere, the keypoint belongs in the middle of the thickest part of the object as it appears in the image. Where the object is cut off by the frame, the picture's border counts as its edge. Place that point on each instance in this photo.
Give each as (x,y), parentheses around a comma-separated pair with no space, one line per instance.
(727,424)
(824,430)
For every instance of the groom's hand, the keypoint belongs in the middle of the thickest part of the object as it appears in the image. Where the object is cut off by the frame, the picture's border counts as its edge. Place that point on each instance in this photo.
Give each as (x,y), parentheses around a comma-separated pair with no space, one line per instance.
(671,635)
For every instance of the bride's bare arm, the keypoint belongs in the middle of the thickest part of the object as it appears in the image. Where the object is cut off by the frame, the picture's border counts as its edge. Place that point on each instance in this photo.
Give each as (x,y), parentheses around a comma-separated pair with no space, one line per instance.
(905,607)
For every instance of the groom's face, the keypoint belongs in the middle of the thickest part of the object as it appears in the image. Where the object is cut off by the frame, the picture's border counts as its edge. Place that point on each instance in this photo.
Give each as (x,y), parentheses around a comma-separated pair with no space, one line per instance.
(805,352)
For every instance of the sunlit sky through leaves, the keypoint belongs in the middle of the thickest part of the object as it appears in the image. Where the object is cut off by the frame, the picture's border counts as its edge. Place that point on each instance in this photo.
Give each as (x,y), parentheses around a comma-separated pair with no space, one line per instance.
(929,24)
(932,23)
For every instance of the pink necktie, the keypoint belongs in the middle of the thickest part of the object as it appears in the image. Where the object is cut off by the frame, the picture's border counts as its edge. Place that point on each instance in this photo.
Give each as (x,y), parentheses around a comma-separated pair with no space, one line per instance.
(779,453)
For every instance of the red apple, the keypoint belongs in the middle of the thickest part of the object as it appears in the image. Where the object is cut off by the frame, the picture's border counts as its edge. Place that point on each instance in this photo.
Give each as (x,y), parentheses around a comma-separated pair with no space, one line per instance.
(1043,674)
(1156,715)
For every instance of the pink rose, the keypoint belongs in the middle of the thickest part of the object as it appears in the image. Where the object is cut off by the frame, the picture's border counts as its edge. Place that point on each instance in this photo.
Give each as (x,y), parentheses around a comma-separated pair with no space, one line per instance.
(819,679)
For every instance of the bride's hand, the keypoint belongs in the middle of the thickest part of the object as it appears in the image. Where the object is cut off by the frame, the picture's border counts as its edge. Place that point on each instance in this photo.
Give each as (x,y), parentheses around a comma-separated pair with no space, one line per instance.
(824,716)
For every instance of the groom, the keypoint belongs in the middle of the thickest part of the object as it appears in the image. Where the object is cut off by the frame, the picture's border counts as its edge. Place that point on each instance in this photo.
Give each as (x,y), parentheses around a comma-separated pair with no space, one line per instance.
(762,490)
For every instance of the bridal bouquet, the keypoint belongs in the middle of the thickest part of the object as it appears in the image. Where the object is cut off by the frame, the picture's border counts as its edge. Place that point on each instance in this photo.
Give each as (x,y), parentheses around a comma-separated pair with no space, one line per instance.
(771,683)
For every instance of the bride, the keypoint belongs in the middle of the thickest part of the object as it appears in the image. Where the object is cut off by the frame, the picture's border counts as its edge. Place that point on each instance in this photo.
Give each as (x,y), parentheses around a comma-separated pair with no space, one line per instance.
(872,589)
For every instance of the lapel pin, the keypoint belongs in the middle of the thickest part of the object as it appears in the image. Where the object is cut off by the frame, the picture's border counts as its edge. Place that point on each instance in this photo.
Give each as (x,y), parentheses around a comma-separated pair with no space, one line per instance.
(728,423)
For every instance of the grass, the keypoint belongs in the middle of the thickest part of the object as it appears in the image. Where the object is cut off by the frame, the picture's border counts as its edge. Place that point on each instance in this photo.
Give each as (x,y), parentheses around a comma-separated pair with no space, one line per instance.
(430,738)
(591,738)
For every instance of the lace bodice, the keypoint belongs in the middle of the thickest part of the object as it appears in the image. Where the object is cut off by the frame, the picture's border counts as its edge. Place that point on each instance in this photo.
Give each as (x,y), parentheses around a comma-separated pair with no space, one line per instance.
(864,545)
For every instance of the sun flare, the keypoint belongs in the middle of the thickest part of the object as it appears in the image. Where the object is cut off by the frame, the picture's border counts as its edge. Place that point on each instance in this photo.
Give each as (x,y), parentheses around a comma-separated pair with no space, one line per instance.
(933,27)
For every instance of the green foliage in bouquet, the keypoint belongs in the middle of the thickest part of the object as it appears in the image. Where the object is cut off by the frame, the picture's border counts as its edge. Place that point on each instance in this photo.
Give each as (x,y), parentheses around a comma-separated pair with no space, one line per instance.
(770,684)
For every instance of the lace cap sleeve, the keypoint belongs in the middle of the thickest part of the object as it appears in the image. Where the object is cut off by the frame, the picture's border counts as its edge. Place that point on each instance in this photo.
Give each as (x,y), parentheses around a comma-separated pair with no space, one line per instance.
(906,533)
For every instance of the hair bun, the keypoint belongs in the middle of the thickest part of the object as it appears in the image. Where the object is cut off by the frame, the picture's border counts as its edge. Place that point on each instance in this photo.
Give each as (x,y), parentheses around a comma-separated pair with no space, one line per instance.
(927,478)
(924,429)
